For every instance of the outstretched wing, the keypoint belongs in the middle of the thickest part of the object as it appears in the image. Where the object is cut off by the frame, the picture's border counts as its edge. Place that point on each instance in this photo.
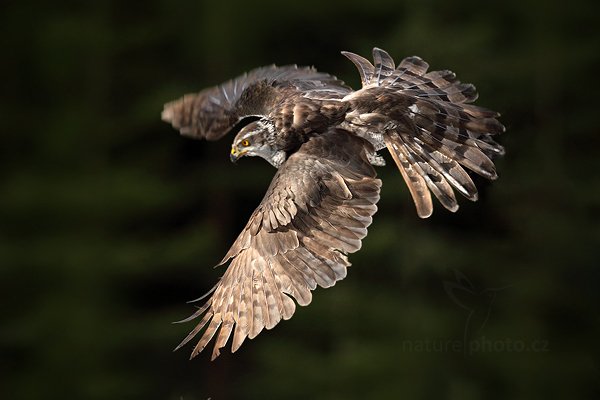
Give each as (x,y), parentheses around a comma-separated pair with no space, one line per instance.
(211,113)
(443,134)
(316,211)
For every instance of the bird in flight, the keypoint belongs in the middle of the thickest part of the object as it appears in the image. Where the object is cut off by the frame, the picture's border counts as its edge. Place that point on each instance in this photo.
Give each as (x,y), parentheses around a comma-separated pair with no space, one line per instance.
(324,138)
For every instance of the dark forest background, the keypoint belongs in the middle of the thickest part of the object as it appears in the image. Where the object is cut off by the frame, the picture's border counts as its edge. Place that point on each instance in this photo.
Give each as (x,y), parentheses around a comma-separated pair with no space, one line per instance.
(110,221)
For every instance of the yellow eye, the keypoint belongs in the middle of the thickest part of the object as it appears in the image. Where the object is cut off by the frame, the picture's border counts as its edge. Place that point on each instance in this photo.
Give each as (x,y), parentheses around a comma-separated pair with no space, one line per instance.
(245,143)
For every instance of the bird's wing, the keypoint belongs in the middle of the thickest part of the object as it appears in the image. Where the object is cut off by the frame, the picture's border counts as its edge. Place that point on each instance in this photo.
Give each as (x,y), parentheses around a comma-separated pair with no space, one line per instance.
(211,113)
(443,134)
(316,211)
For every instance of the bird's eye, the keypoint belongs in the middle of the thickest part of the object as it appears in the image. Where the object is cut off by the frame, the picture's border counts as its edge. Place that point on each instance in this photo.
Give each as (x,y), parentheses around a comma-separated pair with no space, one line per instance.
(245,143)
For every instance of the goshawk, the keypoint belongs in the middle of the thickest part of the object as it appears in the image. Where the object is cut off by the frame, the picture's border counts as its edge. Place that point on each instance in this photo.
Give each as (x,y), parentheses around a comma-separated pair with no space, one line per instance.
(323,138)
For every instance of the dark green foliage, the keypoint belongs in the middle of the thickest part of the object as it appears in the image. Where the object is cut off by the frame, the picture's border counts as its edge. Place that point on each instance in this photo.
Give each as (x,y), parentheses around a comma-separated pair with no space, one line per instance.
(109,221)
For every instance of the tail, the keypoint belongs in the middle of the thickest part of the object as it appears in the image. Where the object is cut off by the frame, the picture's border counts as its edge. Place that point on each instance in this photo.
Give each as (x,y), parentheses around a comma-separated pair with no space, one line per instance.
(440,134)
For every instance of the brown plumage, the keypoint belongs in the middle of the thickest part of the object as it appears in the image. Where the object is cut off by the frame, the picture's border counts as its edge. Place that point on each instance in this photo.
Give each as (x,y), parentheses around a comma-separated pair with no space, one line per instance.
(323,138)
(316,211)
(277,93)
(426,124)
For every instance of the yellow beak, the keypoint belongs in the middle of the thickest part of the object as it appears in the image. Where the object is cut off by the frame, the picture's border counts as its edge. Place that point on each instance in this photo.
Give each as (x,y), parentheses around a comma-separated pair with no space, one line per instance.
(235,154)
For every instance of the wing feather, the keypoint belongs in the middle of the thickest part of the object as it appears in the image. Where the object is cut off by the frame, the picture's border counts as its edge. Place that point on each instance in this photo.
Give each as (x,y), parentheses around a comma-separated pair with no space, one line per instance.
(316,211)
(213,112)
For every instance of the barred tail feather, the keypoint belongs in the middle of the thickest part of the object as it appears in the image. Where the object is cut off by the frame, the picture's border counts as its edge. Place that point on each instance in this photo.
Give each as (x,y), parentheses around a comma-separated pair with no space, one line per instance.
(435,181)
(436,133)
(415,181)
(364,66)
(449,168)
(384,64)
(421,173)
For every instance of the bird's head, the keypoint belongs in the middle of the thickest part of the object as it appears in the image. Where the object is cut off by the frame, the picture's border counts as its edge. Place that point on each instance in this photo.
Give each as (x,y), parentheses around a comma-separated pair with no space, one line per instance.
(257,139)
